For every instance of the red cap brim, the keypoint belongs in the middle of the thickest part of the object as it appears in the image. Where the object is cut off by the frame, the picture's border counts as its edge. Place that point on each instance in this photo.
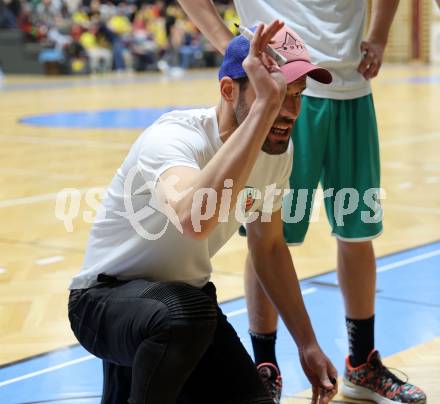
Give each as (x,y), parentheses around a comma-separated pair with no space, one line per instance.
(295,69)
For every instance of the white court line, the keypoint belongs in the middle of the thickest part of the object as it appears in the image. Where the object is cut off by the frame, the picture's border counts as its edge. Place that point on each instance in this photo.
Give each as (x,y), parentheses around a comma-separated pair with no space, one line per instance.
(57,141)
(47,370)
(405,185)
(308,291)
(407,261)
(410,139)
(28,200)
(432,180)
(44,174)
(236,313)
(382,268)
(2,270)
(400,165)
(50,260)
(412,209)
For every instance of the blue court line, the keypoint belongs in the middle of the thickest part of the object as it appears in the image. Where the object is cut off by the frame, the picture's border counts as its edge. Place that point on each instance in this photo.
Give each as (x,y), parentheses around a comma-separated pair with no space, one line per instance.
(408,314)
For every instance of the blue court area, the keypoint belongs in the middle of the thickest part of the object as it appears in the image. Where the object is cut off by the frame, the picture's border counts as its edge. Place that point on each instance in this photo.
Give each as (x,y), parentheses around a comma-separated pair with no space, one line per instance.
(408,314)
(130,118)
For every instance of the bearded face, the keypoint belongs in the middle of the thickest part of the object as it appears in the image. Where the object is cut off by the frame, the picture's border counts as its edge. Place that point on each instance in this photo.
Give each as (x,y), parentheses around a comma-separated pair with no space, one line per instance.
(277,140)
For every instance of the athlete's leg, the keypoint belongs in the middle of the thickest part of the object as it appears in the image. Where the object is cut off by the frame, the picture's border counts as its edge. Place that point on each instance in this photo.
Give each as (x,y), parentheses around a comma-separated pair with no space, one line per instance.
(352,170)
(116,384)
(365,376)
(352,167)
(157,329)
(226,374)
(357,277)
(263,318)
(356,269)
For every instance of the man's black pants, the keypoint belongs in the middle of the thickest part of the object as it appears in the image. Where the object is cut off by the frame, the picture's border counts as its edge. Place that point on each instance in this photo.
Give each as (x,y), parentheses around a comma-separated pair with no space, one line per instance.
(163,343)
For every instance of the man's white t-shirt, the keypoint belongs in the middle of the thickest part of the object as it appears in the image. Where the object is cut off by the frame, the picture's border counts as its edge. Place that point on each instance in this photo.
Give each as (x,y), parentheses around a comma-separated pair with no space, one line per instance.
(332,31)
(131,239)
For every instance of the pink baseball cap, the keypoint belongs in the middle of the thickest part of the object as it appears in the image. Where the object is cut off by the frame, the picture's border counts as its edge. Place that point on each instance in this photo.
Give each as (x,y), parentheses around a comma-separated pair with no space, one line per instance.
(286,42)
(289,44)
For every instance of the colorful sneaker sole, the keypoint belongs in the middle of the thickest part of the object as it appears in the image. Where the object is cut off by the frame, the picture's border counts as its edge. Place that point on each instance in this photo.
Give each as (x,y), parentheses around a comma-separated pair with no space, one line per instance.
(351,390)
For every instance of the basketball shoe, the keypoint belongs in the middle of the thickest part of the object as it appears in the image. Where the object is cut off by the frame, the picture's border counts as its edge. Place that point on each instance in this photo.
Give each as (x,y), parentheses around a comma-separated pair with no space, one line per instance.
(270,375)
(373,381)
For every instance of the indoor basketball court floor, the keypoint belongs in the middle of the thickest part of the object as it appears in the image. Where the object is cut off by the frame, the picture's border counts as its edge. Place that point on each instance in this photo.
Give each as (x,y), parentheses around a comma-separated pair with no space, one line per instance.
(73,133)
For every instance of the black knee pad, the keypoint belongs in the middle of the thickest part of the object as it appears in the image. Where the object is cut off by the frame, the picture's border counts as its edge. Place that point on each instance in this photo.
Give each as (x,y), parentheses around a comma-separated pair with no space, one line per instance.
(184,302)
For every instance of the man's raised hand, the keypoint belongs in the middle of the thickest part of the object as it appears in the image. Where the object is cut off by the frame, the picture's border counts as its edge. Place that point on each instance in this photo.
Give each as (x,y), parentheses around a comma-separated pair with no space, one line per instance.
(264,74)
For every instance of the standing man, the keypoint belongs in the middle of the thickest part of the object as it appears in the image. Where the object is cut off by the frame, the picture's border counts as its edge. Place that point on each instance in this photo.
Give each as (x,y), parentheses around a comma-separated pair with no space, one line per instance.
(336,143)
(143,302)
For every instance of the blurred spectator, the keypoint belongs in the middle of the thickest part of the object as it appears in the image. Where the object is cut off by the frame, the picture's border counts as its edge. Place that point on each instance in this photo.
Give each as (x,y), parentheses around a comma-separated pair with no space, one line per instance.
(106,9)
(45,14)
(144,47)
(187,39)
(231,18)
(77,61)
(100,57)
(119,29)
(15,7)
(100,35)
(119,23)
(57,39)
(73,5)
(81,17)
(8,18)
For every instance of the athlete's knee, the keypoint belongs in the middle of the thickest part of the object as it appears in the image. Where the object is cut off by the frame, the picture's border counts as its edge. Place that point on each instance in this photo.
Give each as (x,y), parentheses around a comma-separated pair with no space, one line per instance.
(191,320)
(183,301)
(355,246)
(188,309)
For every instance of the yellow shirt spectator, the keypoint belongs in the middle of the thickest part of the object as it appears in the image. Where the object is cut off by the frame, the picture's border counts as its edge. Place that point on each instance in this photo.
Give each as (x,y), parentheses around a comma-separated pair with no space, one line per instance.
(120,24)
(81,18)
(88,40)
(157,27)
(231,18)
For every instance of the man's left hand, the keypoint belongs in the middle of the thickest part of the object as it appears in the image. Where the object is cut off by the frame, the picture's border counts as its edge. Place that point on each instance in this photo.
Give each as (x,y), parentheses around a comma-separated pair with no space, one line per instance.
(320,372)
(372,58)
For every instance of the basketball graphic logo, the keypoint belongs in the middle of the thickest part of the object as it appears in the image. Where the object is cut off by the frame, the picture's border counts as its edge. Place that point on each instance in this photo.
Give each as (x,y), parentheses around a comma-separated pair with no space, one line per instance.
(250,195)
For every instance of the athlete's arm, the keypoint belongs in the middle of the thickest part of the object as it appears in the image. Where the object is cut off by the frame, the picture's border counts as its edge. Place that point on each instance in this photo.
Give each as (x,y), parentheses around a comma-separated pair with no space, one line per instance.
(382,15)
(236,158)
(206,17)
(274,268)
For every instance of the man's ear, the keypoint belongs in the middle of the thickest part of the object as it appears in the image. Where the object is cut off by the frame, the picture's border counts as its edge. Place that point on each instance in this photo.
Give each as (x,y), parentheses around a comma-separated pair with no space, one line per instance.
(228,89)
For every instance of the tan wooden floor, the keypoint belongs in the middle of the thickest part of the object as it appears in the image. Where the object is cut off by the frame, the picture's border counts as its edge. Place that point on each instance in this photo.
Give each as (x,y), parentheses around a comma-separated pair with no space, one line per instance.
(38,256)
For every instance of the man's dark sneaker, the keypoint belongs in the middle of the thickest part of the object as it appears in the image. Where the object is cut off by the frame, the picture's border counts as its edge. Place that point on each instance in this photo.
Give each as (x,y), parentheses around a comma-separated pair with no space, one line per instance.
(271,377)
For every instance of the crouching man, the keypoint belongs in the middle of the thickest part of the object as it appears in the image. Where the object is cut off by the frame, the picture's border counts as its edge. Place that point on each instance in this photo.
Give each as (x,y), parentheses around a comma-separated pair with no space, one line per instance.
(143,302)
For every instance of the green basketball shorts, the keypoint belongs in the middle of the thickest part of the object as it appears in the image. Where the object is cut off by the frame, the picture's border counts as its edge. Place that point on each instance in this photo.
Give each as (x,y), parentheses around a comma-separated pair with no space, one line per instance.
(336,144)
